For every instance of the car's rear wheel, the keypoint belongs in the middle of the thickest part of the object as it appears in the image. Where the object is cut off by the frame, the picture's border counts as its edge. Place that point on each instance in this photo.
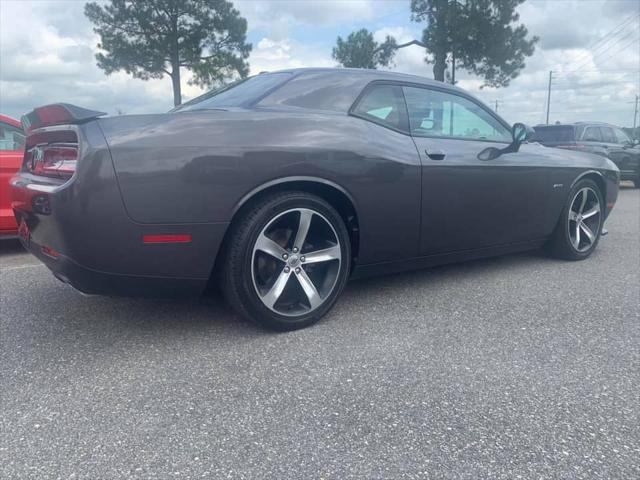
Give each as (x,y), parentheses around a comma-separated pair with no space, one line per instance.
(578,231)
(286,261)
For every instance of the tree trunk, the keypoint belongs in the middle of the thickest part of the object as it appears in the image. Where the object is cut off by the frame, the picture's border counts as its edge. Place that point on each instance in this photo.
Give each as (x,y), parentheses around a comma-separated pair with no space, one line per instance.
(439,66)
(453,68)
(175,63)
(177,92)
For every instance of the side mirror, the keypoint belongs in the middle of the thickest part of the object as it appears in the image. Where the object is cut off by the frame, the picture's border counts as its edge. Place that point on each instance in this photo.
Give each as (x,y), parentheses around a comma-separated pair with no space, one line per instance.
(521,133)
(489,153)
(427,123)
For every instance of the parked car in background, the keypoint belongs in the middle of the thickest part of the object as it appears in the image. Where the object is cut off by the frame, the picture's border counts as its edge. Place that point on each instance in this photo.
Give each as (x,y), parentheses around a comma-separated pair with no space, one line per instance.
(600,138)
(285,184)
(11,152)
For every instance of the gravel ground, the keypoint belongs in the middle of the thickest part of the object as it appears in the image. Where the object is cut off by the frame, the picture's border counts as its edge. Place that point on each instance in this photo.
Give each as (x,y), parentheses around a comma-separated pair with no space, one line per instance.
(515,367)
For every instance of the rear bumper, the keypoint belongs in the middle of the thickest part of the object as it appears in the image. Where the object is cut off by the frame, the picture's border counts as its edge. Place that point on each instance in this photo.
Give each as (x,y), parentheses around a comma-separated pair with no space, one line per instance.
(8,227)
(81,231)
(93,282)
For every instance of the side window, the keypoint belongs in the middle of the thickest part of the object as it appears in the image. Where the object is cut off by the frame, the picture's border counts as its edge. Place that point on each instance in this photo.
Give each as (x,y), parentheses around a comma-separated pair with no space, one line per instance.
(383,104)
(591,134)
(607,135)
(438,114)
(11,138)
(621,137)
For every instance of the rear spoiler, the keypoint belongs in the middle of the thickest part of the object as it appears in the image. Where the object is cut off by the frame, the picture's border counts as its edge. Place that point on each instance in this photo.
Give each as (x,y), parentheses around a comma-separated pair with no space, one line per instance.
(57,114)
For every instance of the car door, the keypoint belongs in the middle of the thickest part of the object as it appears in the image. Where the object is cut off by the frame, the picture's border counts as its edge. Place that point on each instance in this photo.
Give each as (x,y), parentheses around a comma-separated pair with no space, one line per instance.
(613,150)
(592,138)
(11,152)
(469,203)
(626,155)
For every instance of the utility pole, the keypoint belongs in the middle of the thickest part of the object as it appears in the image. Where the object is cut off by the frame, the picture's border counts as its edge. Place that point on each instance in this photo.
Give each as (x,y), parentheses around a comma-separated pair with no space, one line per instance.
(549,96)
(496,107)
(635,116)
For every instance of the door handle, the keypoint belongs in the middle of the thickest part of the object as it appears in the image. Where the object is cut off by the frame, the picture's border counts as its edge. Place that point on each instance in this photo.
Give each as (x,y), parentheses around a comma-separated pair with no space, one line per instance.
(435,154)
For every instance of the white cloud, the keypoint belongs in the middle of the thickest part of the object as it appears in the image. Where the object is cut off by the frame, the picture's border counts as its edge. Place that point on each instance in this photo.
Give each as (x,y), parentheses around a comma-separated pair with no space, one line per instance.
(47,54)
(270,55)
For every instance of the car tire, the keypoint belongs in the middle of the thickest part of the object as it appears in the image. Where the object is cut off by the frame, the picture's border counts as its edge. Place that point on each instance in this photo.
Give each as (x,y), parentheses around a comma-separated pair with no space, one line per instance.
(286,261)
(578,231)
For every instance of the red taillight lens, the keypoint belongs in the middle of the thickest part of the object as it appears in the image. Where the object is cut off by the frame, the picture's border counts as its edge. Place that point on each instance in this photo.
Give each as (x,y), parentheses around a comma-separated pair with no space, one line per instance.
(52,152)
(60,160)
(52,160)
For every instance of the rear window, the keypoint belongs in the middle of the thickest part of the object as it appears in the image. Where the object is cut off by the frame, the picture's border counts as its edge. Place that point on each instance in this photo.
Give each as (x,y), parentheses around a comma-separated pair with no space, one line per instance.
(555,134)
(237,94)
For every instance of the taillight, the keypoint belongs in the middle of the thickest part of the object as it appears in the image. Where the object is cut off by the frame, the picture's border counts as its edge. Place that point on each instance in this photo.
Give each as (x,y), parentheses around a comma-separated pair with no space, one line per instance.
(52,154)
(54,160)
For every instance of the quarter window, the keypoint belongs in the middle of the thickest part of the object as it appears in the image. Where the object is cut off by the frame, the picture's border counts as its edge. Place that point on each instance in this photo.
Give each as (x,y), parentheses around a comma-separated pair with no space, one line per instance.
(438,114)
(621,136)
(383,104)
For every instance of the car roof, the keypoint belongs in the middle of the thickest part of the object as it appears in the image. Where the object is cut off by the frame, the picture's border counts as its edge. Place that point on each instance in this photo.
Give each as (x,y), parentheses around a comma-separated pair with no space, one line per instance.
(372,74)
(10,121)
(577,124)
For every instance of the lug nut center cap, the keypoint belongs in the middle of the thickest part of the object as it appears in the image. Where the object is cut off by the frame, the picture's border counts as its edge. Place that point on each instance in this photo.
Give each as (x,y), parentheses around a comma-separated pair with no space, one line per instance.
(294,260)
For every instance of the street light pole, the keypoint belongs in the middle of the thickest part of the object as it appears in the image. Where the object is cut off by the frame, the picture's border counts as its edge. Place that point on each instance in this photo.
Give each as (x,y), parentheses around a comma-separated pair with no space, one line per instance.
(549,96)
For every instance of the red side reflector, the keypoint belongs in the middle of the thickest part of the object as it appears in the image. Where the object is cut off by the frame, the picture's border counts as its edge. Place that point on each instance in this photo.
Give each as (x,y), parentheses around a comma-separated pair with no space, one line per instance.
(610,205)
(183,238)
(50,252)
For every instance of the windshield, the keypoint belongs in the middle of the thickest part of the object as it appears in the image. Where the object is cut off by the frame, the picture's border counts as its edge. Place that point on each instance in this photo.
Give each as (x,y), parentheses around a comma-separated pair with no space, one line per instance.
(562,133)
(236,94)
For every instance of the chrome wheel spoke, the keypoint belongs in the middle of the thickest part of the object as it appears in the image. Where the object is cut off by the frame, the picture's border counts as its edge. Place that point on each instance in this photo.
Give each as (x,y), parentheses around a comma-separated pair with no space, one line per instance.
(587,231)
(265,244)
(576,239)
(331,253)
(272,296)
(309,289)
(593,211)
(303,228)
(585,194)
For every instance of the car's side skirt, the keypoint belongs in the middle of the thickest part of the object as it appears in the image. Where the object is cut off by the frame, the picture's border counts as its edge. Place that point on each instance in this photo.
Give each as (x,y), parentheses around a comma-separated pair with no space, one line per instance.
(370,270)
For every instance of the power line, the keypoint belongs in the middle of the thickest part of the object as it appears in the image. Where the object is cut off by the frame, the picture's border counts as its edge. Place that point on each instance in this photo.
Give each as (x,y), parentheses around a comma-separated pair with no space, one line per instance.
(606,38)
(603,71)
(595,56)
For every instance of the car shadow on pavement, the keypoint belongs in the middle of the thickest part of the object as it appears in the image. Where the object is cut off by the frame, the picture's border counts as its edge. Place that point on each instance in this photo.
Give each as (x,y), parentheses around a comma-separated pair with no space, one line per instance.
(210,315)
(101,321)
(10,246)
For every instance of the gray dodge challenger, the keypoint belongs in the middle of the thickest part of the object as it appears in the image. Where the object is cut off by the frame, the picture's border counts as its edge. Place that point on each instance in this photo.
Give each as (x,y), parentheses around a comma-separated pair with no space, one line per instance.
(282,186)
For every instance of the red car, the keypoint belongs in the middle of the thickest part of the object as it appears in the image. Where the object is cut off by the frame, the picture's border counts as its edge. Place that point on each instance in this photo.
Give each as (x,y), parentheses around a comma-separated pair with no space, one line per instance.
(11,153)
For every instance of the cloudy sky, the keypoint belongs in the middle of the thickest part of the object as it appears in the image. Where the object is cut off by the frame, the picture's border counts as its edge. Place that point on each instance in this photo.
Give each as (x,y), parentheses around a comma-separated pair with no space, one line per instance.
(593,47)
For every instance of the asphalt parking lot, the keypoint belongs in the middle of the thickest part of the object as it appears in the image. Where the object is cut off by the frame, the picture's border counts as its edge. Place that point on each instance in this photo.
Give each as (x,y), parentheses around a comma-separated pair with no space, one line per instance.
(514,367)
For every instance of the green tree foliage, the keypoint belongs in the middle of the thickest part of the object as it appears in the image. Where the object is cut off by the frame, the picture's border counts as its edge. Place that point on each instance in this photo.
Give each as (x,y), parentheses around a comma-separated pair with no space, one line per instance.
(360,50)
(480,36)
(153,38)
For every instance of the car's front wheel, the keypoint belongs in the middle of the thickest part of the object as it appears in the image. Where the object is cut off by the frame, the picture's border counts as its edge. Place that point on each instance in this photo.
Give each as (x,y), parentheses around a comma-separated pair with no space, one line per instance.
(578,230)
(286,261)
